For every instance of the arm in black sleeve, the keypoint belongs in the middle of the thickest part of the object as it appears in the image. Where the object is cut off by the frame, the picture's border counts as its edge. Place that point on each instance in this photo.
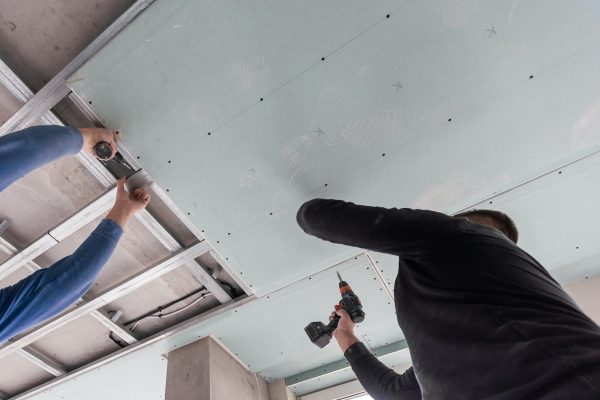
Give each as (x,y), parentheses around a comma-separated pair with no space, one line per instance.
(381,382)
(385,230)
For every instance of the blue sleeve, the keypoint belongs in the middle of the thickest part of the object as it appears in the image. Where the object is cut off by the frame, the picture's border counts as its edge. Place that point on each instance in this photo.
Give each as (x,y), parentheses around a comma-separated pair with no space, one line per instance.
(23,151)
(51,290)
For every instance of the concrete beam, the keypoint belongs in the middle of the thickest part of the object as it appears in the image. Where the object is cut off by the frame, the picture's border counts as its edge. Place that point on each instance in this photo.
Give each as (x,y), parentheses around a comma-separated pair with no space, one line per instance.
(206,370)
(278,390)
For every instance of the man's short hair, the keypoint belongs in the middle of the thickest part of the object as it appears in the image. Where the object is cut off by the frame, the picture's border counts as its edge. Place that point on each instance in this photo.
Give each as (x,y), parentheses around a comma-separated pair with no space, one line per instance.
(505,224)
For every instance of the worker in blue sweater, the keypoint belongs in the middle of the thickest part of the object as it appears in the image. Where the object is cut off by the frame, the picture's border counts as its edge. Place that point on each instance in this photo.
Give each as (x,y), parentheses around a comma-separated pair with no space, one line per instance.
(49,291)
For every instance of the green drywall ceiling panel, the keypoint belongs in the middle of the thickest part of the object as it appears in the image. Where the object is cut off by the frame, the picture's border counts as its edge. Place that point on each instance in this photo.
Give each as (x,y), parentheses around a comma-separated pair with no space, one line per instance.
(433,108)
(552,214)
(179,72)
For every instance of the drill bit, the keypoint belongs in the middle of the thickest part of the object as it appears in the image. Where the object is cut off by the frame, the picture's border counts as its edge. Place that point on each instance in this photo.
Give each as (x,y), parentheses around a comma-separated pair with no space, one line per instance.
(339,276)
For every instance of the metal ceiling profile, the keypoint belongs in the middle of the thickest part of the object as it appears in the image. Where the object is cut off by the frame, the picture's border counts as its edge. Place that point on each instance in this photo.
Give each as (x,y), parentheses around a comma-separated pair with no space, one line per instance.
(459,84)
(56,89)
(38,107)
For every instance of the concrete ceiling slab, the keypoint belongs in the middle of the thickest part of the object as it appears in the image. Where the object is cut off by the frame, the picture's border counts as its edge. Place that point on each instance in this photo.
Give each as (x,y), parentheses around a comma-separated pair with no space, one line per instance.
(18,374)
(137,250)
(15,276)
(3,257)
(77,343)
(39,37)
(46,197)
(8,104)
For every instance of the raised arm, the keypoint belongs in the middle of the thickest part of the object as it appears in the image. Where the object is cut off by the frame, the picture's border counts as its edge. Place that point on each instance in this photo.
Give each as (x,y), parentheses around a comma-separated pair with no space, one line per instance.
(51,290)
(385,230)
(381,382)
(23,151)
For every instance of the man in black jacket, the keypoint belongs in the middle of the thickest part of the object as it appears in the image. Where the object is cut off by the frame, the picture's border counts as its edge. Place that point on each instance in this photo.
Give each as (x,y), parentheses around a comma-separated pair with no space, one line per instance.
(482,318)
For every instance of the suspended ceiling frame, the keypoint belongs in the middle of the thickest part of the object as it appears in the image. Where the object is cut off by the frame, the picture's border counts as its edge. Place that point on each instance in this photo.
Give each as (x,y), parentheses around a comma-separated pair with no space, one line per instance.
(37,107)
(98,207)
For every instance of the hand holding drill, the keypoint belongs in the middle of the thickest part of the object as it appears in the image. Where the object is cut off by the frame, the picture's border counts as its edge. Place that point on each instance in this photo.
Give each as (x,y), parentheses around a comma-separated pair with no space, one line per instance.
(99,142)
(341,322)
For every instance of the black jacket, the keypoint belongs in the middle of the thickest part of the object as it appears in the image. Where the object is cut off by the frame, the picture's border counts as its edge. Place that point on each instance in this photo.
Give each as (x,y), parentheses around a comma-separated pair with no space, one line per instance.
(482,318)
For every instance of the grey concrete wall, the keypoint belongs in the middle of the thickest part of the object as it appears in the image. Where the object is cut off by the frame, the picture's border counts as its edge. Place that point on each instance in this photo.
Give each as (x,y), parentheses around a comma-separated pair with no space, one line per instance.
(231,380)
(204,370)
(188,373)
(279,391)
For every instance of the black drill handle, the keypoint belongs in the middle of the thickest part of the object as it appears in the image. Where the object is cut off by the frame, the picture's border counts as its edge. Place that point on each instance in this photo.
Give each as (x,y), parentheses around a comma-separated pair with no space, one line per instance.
(332,325)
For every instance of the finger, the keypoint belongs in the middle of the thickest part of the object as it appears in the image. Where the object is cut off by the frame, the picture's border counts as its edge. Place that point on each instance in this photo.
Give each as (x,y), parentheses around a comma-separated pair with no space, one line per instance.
(342,313)
(113,147)
(332,316)
(137,193)
(121,184)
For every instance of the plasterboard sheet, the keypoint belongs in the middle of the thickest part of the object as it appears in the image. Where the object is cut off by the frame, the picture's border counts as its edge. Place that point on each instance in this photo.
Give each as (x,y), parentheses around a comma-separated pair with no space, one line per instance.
(544,210)
(276,346)
(342,122)
(397,359)
(555,214)
(552,214)
(140,377)
(240,54)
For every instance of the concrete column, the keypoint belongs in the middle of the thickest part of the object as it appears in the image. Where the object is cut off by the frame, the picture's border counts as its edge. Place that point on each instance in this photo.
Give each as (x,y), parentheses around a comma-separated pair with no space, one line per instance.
(204,370)
(279,391)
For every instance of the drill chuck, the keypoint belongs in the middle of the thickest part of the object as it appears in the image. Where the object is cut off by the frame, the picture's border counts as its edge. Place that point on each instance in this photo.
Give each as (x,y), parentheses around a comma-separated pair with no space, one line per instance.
(103,150)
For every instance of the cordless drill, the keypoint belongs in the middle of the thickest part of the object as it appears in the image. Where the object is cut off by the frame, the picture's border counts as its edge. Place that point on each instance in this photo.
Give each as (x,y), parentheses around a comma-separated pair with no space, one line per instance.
(319,333)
